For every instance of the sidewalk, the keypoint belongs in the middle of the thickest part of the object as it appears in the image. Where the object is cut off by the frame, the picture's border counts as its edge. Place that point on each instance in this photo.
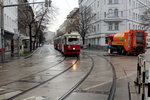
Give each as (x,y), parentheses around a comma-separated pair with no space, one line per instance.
(9,58)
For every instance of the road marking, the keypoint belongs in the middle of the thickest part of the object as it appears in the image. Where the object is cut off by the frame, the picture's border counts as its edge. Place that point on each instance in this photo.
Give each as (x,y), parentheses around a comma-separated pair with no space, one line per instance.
(98,85)
(1,89)
(109,81)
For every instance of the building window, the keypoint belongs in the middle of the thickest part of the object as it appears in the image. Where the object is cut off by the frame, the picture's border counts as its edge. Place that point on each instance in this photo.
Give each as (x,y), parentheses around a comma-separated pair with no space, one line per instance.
(116,12)
(105,14)
(110,12)
(98,15)
(129,14)
(133,16)
(98,27)
(130,2)
(138,26)
(110,26)
(94,28)
(116,1)
(116,26)
(110,1)
(98,4)
(121,13)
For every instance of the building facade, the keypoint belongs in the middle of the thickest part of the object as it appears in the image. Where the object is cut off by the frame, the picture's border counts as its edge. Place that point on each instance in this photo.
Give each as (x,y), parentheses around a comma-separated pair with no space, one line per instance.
(10,25)
(25,18)
(70,24)
(1,3)
(113,16)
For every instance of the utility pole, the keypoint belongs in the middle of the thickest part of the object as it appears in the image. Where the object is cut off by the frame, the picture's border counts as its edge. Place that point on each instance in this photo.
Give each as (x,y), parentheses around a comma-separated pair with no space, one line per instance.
(2,33)
(47,2)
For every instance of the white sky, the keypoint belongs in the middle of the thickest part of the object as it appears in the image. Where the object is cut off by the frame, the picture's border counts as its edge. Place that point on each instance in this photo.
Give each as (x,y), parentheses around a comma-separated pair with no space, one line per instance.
(64,7)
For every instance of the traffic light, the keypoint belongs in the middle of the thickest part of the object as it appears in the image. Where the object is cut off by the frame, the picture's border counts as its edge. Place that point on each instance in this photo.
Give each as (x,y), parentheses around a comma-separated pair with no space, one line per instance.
(48,3)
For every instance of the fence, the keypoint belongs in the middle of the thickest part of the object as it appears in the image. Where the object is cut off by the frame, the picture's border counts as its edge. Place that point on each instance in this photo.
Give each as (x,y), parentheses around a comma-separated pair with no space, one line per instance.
(143,78)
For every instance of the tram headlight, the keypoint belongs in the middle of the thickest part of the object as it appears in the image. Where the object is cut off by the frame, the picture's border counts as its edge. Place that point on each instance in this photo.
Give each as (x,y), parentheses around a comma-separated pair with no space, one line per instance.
(74,48)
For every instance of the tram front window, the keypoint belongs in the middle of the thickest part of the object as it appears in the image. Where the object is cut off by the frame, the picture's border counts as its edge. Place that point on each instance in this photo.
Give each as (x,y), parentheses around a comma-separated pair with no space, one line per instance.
(73,41)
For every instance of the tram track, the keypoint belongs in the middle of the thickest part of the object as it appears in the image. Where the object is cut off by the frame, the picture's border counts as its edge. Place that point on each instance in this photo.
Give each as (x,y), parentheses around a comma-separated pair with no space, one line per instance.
(79,82)
(39,84)
(60,60)
(113,86)
(34,73)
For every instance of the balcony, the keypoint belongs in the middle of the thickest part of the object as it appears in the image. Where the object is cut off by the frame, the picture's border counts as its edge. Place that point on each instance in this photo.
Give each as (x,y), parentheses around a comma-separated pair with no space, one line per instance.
(113,19)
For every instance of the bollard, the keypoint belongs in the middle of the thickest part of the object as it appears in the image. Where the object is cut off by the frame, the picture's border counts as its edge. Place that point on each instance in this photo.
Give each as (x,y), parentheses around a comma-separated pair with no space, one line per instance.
(148,84)
(149,90)
(143,80)
(109,51)
(139,74)
(143,86)
(141,77)
(139,80)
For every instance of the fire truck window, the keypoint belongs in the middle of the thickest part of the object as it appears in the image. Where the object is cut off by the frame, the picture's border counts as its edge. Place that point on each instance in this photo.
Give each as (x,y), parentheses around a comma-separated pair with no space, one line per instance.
(108,38)
(139,37)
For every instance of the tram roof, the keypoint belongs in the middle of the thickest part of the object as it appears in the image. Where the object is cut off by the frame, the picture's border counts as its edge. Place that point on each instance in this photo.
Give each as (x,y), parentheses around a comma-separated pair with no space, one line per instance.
(77,34)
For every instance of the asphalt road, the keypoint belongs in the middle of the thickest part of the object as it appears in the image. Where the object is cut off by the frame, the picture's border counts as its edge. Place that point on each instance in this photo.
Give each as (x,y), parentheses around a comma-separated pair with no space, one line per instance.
(49,75)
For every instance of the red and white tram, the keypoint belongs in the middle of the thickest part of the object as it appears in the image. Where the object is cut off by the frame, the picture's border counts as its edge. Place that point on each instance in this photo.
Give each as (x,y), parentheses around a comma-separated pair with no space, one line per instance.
(68,44)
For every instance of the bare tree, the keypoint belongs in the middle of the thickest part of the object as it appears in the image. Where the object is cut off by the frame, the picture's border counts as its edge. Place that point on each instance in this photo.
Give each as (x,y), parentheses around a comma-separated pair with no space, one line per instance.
(81,22)
(72,24)
(34,18)
(85,18)
(146,19)
(43,17)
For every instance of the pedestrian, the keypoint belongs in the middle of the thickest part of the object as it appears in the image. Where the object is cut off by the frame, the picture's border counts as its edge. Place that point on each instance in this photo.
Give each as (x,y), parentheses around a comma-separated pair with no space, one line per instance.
(12,48)
(109,46)
(89,45)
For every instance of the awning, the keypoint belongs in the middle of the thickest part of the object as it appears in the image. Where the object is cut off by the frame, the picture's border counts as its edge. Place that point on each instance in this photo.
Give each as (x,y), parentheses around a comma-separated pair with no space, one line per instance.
(8,35)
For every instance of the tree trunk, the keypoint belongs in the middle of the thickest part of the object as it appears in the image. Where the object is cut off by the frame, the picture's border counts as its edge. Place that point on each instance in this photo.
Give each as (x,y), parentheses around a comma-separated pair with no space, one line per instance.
(34,44)
(30,34)
(83,39)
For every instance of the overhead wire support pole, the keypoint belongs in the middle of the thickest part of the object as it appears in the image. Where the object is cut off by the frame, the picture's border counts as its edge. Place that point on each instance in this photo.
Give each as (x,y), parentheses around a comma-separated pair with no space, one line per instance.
(23,4)
(2,33)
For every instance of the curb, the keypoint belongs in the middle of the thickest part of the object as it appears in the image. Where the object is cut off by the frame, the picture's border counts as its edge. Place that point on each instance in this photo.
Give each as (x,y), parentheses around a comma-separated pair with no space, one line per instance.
(26,57)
